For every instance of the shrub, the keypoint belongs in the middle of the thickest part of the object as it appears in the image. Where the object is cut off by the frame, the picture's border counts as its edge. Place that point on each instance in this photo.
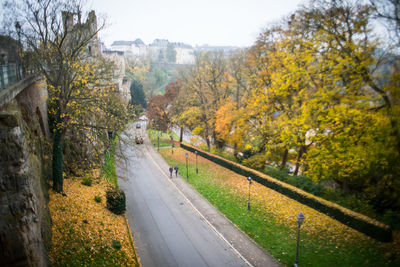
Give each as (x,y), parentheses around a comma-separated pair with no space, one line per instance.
(276,173)
(392,218)
(87,180)
(256,162)
(224,154)
(116,244)
(116,201)
(97,198)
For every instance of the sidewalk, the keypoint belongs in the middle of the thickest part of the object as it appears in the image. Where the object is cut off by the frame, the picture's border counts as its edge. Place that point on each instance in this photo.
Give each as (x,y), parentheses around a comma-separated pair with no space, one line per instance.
(245,247)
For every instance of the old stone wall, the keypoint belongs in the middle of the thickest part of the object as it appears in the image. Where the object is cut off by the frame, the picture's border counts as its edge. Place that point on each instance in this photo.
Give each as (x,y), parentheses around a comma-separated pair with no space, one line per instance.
(24,217)
(32,101)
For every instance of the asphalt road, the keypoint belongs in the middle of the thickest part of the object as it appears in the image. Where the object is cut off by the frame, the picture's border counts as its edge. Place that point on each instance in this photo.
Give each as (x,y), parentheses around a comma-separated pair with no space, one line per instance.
(168,229)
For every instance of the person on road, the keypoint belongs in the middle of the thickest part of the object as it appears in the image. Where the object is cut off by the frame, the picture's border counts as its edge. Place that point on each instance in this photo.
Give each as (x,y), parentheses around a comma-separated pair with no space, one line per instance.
(176,170)
(170,172)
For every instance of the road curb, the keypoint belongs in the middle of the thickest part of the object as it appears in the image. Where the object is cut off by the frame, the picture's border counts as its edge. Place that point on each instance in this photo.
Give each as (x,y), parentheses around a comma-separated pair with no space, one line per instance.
(137,258)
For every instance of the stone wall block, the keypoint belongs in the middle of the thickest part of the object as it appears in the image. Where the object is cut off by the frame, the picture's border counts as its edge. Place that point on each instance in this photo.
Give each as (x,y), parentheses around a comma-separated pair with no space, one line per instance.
(13,149)
(21,197)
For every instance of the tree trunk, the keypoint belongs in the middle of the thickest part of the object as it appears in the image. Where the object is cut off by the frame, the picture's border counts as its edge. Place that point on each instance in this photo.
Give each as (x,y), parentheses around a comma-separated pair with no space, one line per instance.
(378,187)
(345,184)
(57,162)
(181,135)
(395,133)
(284,159)
(206,134)
(237,97)
(299,155)
(208,142)
(235,151)
(220,144)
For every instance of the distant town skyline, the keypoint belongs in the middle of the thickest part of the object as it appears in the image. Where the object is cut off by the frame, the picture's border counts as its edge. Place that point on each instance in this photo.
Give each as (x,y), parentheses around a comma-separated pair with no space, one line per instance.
(158,41)
(215,23)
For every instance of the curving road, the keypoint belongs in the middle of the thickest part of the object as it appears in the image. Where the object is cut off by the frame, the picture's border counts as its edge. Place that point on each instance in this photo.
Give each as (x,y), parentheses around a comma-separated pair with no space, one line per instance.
(172,225)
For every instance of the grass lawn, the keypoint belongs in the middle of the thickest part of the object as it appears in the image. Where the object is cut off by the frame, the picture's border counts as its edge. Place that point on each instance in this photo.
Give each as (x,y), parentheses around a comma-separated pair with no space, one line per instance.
(109,168)
(271,222)
(164,138)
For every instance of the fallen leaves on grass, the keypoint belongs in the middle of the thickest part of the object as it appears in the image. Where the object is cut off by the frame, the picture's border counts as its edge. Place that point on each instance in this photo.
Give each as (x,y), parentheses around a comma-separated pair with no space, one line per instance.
(84,231)
(283,209)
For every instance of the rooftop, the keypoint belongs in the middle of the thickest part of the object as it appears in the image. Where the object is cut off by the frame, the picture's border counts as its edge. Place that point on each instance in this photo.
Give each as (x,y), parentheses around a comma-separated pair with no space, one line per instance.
(137,42)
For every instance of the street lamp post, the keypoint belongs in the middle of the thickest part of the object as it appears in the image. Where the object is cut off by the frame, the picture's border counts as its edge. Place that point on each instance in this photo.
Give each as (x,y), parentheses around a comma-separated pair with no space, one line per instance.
(18,29)
(172,144)
(248,202)
(158,141)
(300,219)
(187,168)
(197,170)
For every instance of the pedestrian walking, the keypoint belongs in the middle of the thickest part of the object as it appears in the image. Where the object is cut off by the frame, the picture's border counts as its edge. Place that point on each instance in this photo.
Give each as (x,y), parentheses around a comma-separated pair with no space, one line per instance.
(170,171)
(176,170)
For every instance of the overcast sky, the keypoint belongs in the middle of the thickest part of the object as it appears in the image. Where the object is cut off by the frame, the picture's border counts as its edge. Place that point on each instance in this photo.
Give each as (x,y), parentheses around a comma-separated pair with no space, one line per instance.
(195,22)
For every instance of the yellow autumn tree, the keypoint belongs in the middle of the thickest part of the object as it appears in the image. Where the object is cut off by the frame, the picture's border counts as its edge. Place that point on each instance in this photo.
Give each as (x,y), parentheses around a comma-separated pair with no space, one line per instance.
(60,38)
(353,111)
(232,117)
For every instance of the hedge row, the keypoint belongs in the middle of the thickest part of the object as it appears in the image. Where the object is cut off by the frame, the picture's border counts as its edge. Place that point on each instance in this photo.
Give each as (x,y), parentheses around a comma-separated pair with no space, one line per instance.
(348,217)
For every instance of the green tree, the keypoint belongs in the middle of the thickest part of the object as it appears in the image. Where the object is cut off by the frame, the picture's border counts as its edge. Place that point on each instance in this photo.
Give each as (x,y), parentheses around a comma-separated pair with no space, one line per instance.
(155,80)
(137,94)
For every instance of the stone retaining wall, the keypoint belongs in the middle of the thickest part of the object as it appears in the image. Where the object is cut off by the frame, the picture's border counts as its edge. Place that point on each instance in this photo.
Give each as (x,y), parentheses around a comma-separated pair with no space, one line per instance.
(25,229)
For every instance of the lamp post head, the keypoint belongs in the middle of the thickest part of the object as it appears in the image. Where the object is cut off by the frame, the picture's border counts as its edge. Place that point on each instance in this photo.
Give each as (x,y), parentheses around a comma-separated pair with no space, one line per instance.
(300,218)
(186,155)
(18,27)
(249,179)
(195,152)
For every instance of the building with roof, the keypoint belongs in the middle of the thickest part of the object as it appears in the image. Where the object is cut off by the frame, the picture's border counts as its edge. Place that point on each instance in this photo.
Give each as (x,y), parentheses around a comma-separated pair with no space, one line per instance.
(135,48)
(156,50)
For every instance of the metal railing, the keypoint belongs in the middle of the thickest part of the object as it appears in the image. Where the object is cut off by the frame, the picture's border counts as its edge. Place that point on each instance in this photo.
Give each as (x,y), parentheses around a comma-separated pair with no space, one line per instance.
(11,73)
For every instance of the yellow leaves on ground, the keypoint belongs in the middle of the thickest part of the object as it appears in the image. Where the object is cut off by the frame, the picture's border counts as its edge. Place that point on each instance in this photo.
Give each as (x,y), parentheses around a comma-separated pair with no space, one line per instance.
(83,230)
